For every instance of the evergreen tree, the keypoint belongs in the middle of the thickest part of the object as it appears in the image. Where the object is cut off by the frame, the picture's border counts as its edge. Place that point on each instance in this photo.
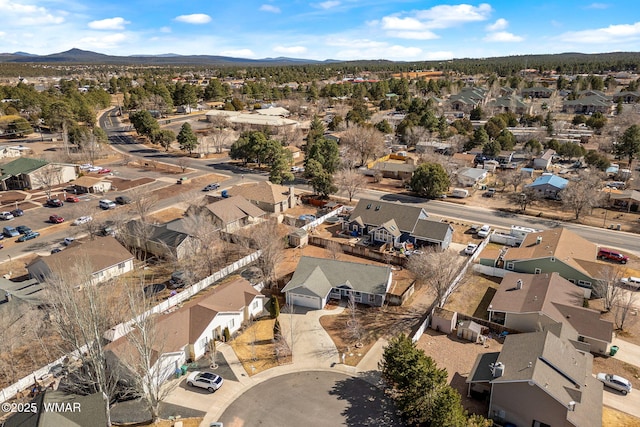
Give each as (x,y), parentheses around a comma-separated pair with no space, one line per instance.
(187,139)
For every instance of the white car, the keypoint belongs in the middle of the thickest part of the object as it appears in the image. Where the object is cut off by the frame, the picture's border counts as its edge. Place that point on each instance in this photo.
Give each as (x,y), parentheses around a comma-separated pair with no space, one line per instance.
(484,231)
(82,220)
(470,249)
(206,380)
(86,166)
(623,385)
(67,241)
(94,169)
(6,215)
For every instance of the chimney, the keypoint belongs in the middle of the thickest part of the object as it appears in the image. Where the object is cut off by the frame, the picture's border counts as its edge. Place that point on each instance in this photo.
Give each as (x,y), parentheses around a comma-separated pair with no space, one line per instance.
(519,284)
(538,240)
(497,369)
(7,296)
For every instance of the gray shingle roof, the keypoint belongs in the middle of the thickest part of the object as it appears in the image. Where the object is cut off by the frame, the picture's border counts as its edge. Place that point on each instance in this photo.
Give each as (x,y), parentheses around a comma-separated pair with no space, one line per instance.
(431,230)
(316,276)
(376,212)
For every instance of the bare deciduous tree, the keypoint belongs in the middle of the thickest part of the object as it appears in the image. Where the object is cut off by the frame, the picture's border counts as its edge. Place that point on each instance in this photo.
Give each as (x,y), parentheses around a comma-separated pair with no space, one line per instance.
(512,178)
(349,181)
(436,269)
(142,202)
(354,328)
(270,240)
(183,163)
(81,313)
(46,177)
(582,193)
(334,249)
(363,142)
(208,245)
(607,286)
(623,306)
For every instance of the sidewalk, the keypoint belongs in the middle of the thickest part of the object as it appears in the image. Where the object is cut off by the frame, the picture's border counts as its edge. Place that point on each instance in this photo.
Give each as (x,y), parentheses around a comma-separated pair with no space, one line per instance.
(628,352)
(313,350)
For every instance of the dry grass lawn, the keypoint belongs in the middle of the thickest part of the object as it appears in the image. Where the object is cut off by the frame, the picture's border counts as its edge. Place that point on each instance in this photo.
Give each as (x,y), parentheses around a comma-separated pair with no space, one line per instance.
(473,295)
(613,418)
(186,422)
(255,348)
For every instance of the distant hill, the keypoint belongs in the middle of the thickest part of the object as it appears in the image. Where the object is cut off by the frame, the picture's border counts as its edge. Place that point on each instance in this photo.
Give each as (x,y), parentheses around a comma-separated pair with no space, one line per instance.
(79,56)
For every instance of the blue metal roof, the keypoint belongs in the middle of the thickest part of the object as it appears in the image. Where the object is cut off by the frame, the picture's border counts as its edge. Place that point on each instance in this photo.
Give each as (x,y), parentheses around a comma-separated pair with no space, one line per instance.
(552,180)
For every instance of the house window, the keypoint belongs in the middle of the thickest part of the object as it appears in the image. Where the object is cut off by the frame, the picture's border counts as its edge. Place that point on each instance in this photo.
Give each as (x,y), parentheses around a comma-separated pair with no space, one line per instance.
(509,266)
(584,283)
(372,298)
(573,281)
(121,265)
(537,271)
(255,304)
(580,338)
(232,323)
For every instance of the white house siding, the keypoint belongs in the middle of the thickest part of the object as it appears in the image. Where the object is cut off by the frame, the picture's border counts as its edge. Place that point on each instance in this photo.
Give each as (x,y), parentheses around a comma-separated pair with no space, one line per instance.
(111,272)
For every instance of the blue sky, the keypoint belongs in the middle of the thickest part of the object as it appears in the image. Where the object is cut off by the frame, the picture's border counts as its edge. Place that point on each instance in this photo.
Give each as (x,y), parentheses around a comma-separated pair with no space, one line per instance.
(327,29)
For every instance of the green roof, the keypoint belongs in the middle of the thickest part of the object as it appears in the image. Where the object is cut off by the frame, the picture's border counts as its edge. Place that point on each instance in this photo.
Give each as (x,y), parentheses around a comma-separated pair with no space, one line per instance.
(22,165)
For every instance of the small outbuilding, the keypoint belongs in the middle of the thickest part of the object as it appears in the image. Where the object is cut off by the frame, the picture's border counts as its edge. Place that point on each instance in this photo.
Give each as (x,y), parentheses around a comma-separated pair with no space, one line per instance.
(470,331)
(444,320)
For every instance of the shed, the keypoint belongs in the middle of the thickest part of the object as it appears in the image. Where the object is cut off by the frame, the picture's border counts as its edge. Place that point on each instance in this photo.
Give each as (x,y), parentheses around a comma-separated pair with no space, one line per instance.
(444,320)
(298,238)
(470,331)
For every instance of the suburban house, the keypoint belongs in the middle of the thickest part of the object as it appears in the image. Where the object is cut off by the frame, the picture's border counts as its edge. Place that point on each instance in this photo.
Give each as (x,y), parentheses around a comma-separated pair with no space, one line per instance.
(537,92)
(72,410)
(464,159)
(434,232)
(269,197)
(187,332)
(91,184)
(627,199)
(317,279)
(539,379)
(170,239)
(627,97)
(592,102)
(556,250)
(468,98)
(231,213)
(529,302)
(543,161)
(469,177)
(104,255)
(27,173)
(384,222)
(510,104)
(395,170)
(14,151)
(548,185)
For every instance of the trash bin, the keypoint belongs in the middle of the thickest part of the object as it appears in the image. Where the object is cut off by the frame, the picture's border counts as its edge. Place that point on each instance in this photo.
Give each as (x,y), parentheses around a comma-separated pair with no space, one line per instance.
(614,349)
(183,368)
(178,373)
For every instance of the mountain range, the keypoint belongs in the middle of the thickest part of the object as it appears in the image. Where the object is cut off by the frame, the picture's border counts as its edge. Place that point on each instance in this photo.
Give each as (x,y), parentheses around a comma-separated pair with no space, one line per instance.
(80,56)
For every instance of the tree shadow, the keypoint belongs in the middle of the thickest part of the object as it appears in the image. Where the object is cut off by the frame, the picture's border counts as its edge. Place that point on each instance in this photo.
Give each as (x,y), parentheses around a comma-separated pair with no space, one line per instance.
(481,311)
(368,404)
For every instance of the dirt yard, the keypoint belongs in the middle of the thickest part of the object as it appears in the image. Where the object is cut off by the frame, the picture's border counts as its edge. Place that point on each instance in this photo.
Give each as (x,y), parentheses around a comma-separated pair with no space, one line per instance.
(473,295)
(457,357)
(613,418)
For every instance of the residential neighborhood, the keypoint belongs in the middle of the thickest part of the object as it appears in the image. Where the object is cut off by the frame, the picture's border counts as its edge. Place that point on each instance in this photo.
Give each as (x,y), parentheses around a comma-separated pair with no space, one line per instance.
(351,241)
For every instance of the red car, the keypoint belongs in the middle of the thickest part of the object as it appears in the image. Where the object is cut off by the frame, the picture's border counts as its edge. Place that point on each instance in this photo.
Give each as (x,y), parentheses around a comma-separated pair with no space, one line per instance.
(56,219)
(72,199)
(104,170)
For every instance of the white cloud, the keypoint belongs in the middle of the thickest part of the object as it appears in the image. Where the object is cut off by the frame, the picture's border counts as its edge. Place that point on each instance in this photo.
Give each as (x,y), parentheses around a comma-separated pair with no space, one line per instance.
(403,24)
(2,33)
(104,42)
(109,24)
(165,29)
(597,6)
(610,34)
(327,4)
(28,15)
(238,53)
(290,49)
(269,8)
(500,24)
(446,16)
(502,36)
(413,35)
(196,18)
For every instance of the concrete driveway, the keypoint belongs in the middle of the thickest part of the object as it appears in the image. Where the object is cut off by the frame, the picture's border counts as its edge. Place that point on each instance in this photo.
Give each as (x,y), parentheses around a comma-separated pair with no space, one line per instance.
(629,404)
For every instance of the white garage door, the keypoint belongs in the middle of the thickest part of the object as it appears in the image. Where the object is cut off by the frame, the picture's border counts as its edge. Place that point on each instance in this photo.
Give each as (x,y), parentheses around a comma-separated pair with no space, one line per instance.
(305,301)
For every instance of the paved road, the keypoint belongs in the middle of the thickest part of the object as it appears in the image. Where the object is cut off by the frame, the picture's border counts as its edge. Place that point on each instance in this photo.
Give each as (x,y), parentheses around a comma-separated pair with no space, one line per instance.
(311,398)
(476,215)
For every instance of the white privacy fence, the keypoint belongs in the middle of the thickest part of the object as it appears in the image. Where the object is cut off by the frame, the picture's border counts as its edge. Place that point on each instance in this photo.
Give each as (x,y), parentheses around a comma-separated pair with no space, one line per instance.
(122,329)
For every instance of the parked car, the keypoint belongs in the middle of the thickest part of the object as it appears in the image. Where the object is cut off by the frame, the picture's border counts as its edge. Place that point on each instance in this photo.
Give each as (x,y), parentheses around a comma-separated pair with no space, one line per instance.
(17,212)
(104,170)
(489,193)
(86,166)
(23,229)
(211,187)
(6,216)
(470,249)
(10,232)
(56,219)
(611,255)
(56,250)
(615,382)
(68,240)
(484,231)
(106,204)
(206,380)
(123,200)
(82,220)
(94,169)
(54,203)
(28,236)
(631,282)
(72,199)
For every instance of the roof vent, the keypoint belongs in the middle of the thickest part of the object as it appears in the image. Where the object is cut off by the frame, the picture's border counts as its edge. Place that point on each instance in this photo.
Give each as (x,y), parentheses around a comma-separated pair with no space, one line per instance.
(497,369)
(519,284)
(369,206)
(538,240)
(378,207)
(572,406)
